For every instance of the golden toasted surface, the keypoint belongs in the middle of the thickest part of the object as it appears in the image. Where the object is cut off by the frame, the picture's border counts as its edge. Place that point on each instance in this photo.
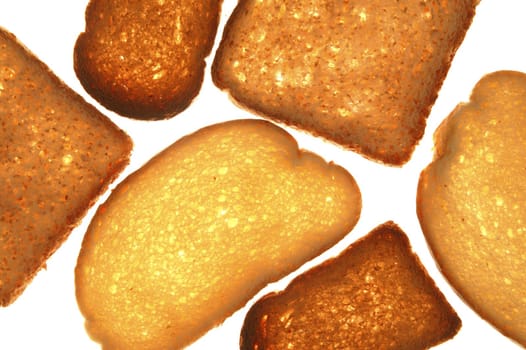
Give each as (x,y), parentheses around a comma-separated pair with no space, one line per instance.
(57,154)
(361,73)
(145,59)
(193,235)
(374,295)
(472,201)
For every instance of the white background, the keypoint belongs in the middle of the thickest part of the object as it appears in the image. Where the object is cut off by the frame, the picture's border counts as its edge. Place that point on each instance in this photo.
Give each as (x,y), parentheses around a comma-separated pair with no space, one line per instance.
(46,315)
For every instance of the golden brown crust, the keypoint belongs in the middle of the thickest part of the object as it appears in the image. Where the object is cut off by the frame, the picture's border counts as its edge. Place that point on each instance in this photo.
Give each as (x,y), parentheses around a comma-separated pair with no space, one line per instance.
(222,213)
(374,295)
(57,154)
(145,59)
(362,74)
(471,199)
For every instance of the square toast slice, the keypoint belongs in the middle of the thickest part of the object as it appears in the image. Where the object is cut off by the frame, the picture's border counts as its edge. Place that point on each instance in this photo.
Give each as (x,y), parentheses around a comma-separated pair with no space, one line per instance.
(363,74)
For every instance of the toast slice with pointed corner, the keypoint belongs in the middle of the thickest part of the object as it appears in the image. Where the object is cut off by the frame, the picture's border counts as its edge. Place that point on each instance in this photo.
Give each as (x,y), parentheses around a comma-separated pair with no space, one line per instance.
(374,295)
(57,155)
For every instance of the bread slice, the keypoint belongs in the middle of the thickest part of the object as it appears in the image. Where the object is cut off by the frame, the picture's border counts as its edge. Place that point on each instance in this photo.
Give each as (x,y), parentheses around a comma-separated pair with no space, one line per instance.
(194,234)
(145,59)
(472,199)
(361,73)
(374,295)
(57,154)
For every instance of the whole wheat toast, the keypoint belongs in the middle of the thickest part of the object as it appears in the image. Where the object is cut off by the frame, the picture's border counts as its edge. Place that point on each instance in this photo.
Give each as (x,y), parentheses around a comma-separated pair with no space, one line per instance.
(363,74)
(57,154)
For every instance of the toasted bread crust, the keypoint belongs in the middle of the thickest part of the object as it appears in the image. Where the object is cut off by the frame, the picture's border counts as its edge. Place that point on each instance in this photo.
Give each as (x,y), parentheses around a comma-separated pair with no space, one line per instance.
(145,59)
(470,201)
(363,74)
(222,213)
(58,154)
(374,295)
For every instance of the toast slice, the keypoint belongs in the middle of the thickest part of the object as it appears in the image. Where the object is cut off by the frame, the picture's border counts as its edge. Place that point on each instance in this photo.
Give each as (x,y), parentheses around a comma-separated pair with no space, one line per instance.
(57,154)
(189,238)
(471,201)
(363,74)
(374,295)
(145,59)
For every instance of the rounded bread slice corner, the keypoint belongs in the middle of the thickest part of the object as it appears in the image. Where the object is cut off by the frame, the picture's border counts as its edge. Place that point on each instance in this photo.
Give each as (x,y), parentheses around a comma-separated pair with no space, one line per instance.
(469,201)
(145,59)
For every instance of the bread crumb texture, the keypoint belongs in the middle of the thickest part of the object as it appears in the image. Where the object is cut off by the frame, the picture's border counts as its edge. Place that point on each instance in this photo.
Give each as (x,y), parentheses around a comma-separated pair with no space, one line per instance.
(194,234)
(472,201)
(145,59)
(363,74)
(374,295)
(57,154)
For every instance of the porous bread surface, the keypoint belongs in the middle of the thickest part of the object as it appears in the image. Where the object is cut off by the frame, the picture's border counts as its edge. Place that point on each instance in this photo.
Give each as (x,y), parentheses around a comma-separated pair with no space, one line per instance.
(194,234)
(472,201)
(374,295)
(145,59)
(363,74)
(57,154)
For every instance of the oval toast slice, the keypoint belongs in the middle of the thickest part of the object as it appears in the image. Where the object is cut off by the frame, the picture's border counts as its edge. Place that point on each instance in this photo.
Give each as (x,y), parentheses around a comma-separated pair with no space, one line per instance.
(145,59)
(57,155)
(472,201)
(194,234)
(375,295)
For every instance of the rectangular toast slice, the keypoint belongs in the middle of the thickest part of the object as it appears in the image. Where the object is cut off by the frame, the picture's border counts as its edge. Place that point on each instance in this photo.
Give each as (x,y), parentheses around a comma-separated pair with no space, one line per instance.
(363,74)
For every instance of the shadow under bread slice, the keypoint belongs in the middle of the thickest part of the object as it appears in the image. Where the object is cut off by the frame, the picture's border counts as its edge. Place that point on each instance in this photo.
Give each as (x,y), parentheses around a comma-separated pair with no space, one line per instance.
(363,74)
(374,295)
(471,201)
(57,155)
(196,232)
(145,59)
